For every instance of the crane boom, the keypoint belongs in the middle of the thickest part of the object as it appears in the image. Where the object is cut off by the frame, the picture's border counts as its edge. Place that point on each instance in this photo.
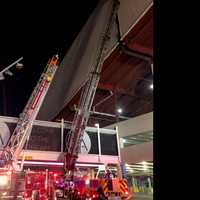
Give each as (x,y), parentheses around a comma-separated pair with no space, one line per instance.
(23,129)
(87,96)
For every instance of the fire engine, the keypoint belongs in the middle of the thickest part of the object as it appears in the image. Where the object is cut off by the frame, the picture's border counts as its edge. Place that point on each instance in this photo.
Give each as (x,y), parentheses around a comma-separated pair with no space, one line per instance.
(79,124)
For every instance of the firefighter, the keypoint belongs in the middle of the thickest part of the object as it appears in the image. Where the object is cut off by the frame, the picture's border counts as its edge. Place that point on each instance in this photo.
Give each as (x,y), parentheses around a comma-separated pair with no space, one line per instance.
(108,174)
(101,193)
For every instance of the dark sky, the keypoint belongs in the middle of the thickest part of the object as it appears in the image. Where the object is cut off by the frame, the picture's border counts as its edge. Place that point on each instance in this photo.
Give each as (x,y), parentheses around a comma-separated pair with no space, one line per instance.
(36,32)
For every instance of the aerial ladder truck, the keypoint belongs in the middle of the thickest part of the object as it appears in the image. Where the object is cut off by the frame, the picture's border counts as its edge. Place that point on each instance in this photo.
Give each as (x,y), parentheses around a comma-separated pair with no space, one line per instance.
(11,171)
(87,96)
(82,114)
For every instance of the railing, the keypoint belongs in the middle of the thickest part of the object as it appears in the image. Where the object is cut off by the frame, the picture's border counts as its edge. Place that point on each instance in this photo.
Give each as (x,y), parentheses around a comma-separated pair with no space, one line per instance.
(50,137)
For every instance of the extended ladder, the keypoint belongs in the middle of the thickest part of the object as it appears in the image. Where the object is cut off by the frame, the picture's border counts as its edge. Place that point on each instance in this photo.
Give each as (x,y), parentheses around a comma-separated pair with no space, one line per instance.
(87,97)
(23,129)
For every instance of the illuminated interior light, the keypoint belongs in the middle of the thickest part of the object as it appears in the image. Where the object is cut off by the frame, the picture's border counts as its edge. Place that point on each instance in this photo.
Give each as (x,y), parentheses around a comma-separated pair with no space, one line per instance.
(151,86)
(144,163)
(145,167)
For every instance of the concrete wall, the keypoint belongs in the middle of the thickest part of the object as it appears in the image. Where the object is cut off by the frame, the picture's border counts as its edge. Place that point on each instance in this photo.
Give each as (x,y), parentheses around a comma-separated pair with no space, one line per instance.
(137,153)
(140,152)
(140,124)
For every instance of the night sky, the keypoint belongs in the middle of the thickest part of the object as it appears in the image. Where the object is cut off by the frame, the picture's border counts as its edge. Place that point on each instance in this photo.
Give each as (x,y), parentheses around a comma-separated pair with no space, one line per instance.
(36,32)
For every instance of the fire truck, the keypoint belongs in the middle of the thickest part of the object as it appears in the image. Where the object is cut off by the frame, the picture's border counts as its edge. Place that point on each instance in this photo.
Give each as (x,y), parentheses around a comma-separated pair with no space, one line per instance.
(90,187)
(15,183)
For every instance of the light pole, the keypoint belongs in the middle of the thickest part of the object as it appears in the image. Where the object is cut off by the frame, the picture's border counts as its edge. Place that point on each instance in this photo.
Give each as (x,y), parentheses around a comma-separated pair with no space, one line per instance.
(2,77)
(7,71)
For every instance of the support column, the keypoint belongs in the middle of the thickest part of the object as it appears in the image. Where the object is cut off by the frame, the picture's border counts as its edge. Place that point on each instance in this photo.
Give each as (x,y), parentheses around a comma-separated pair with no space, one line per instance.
(62,134)
(99,142)
(121,143)
(135,186)
(150,185)
(46,182)
(92,174)
(119,171)
(118,144)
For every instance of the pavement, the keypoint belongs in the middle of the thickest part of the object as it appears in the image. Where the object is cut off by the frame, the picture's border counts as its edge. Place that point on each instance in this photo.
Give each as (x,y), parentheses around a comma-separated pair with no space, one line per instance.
(142,197)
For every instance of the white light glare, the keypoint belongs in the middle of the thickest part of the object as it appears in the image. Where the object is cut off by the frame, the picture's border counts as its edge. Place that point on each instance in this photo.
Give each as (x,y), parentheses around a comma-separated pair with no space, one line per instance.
(87,181)
(145,167)
(97,125)
(102,168)
(4,180)
(151,86)
(19,65)
(119,110)
(4,193)
(144,163)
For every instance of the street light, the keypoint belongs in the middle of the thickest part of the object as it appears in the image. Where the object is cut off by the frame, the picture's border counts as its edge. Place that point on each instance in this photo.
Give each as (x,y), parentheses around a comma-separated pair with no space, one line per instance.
(19,65)
(1,77)
(7,71)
